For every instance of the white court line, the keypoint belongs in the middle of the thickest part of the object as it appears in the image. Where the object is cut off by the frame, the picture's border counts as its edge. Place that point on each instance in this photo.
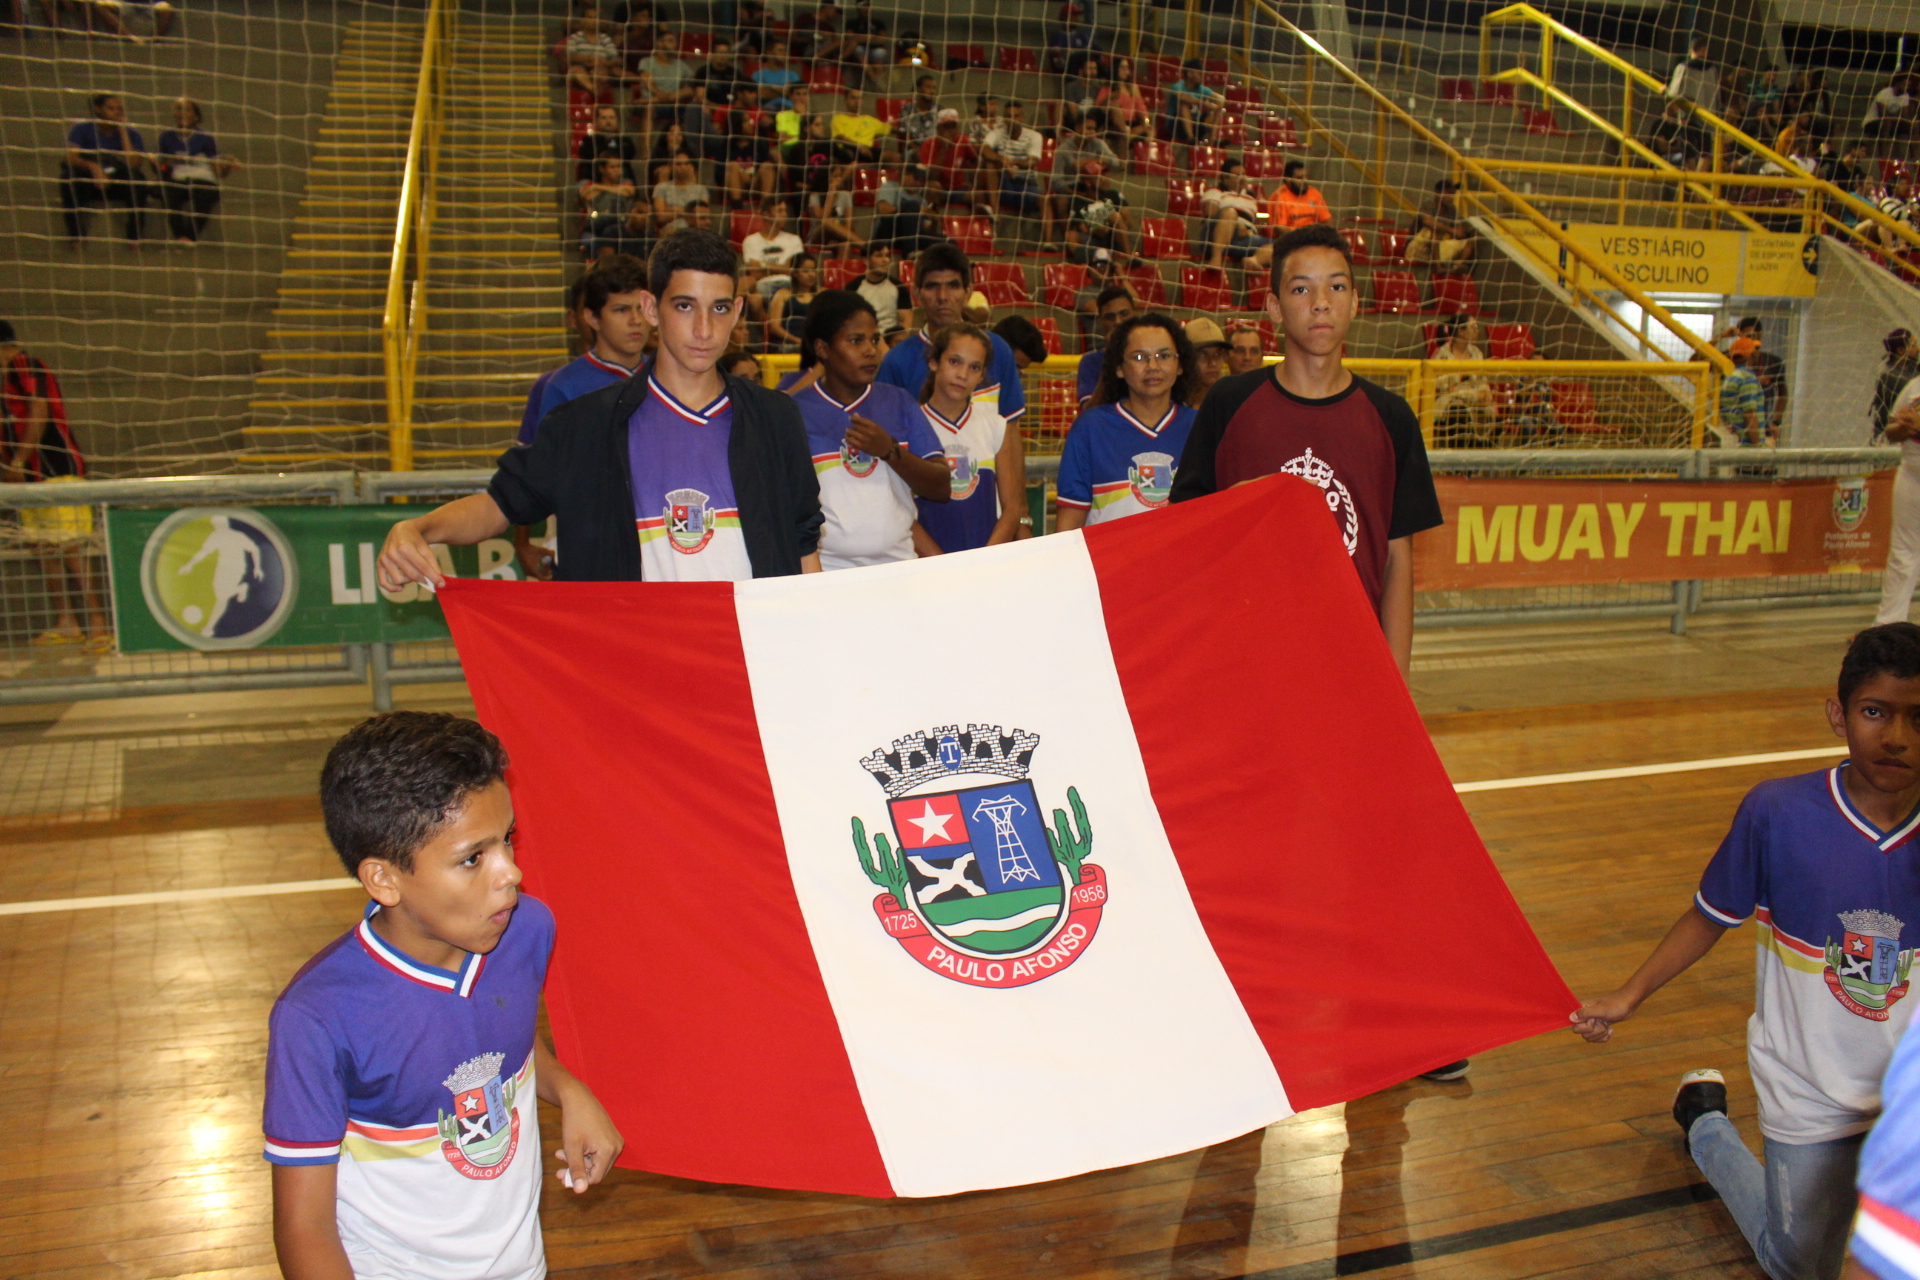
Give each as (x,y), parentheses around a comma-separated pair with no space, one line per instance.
(1490,784)
(175,895)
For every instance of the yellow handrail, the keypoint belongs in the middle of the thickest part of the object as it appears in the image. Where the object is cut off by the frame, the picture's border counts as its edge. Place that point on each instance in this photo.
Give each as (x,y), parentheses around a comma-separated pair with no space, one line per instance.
(1701,348)
(1551,29)
(403,318)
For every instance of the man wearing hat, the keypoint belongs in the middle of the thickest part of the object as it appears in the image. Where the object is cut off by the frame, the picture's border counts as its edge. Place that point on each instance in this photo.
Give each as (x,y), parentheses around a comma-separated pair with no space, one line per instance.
(952,165)
(1210,348)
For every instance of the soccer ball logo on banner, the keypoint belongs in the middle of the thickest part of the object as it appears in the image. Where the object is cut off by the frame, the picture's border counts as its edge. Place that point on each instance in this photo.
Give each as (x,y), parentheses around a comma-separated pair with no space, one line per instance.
(980,890)
(218,577)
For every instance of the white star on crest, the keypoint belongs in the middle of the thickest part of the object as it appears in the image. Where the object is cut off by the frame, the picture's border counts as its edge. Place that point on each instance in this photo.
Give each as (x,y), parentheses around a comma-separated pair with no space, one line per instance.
(932,824)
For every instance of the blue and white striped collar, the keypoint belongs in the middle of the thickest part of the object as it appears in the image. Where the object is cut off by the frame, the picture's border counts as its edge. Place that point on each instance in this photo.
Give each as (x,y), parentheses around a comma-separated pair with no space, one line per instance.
(1153,432)
(702,417)
(460,982)
(1885,840)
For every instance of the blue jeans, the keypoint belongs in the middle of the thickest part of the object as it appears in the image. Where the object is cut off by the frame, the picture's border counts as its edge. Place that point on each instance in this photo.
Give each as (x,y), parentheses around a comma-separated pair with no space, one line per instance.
(1796,1209)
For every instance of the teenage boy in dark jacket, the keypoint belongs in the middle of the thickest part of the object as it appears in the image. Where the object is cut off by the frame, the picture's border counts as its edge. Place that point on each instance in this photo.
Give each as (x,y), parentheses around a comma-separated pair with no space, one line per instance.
(679,473)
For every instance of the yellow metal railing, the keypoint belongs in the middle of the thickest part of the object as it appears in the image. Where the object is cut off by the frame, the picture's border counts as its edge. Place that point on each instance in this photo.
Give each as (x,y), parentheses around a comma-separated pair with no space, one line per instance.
(1554,33)
(404,316)
(1492,191)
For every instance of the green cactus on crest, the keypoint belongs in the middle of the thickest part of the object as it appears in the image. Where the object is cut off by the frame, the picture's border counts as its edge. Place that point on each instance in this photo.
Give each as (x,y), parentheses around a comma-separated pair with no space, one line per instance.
(888,869)
(1068,849)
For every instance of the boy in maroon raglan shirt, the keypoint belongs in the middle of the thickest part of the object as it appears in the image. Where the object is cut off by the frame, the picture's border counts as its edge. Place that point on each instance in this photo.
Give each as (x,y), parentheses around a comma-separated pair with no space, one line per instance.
(1309,417)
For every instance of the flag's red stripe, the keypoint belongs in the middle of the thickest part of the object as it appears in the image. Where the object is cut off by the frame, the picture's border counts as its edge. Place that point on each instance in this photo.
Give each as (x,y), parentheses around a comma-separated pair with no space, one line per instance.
(1344,888)
(728,1064)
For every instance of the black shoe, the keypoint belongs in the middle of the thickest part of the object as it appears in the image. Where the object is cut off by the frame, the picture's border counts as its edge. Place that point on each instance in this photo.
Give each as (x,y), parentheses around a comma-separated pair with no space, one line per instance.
(1699,1093)
(1452,1071)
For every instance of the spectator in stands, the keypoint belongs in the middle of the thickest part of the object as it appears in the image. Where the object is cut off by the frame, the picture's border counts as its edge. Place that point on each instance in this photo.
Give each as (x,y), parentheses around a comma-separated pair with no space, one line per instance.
(873,448)
(1081,143)
(985,460)
(902,216)
(615,222)
(773,247)
(1126,107)
(1442,238)
(1097,216)
(743,364)
(1071,36)
(1744,327)
(867,46)
(1534,415)
(810,160)
(986,121)
(776,78)
(611,309)
(1011,161)
(790,122)
(942,279)
(663,87)
(952,165)
(1024,337)
(1192,107)
(1676,138)
(671,198)
(1146,389)
(787,314)
(700,216)
(1296,201)
(666,145)
(607,461)
(892,308)
(637,36)
(817,35)
(857,136)
(604,139)
(1811,95)
(1462,403)
(1244,352)
(918,121)
(1902,366)
(1110,307)
(39,446)
(754,27)
(106,163)
(750,155)
(1847,171)
(593,59)
(1898,205)
(1797,143)
(1696,77)
(1210,349)
(1762,118)
(1743,402)
(722,84)
(1080,87)
(1891,113)
(1772,372)
(831,212)
(1232,207)
(191,168)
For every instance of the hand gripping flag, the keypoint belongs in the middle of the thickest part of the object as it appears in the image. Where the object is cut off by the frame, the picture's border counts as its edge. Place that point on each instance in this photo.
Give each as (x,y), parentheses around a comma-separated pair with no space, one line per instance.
(996,867)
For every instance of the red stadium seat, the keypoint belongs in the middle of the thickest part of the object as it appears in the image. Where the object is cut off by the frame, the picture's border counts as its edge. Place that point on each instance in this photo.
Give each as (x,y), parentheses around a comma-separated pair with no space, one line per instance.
(1458,90)
(1455,295)
(888,109)
(1242,98)
(1497,93)
(1262,163)
(1510,342)
(1183,197)
(1279,131)
(1394,293)
(961,56)
(1147,285)
(973,235)
(1009,281)
(866,181)
(1539,120)
(1164,239)
(905,272)
(839,273)
(1150,155)
(1205,289)
(824,77)
(1046,154)
(1357,246)
(1205,160)
(1153,95)
(1891,170)
(1158,69)
(1016,58)
(1232,131)
(1257,291)
(696,44)
(742,223)
(1049,332)
(1393,245)
(1574,406)
(1214,73)
(1060,281)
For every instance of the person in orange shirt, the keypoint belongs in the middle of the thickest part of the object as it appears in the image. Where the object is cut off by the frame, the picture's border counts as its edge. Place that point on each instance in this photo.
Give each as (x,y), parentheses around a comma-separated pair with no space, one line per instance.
(1296,203)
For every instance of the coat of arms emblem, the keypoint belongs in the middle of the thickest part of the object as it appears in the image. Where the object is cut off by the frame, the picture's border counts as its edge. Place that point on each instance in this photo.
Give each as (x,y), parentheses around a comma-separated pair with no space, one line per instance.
(965,474)
(1866,969)
(481,1135)
(689,520)
(1151,478)
(979,888)
(857,464)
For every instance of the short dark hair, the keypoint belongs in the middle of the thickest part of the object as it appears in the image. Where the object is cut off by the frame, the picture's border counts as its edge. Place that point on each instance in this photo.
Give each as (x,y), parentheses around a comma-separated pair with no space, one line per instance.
(1113,388)
(99,100)
(6,332)
(1315,235)
(1111,292)
(691,249)
(1293,167)
(1024,336)
(944,255)
(622,273)
(1892,648)
(393,781)
(826,314)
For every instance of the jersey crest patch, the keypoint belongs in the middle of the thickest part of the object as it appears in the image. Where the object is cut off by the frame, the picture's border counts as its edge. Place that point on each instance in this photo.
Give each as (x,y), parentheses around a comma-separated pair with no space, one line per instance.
(979,890)
(1866,970)
(857,463)
(689,520)
(480,1136)
(966,476)
(1151,478)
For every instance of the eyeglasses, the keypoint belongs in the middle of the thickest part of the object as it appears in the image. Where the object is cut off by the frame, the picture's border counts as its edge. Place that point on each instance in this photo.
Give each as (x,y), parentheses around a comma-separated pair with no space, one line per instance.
(1140,359)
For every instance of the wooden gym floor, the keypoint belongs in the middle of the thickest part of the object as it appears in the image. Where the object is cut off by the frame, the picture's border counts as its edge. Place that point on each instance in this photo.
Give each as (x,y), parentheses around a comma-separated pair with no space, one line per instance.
(132,1035)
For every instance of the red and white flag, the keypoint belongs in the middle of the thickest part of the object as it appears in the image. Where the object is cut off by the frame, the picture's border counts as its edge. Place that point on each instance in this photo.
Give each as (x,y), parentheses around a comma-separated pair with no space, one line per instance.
(996,867)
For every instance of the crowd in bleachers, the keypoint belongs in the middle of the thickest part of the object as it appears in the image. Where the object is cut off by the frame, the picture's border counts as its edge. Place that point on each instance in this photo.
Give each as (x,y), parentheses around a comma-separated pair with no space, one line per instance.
(107,163)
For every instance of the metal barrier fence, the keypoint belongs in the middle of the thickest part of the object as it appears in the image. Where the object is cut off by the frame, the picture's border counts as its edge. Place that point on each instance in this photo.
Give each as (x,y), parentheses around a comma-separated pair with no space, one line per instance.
(35,670)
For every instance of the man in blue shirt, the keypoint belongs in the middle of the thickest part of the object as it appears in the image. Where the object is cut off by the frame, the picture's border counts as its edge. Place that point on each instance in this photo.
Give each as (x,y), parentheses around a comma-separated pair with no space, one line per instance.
(106,163)
(942,279)
(1114,305)
(1193,107)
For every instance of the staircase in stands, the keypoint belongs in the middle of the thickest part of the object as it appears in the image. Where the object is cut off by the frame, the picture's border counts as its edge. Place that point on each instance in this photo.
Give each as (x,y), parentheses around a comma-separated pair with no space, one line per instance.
(493,275)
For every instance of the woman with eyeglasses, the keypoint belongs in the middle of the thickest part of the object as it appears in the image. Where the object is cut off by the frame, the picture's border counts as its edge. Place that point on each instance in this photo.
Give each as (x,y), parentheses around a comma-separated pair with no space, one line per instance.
(1122,450)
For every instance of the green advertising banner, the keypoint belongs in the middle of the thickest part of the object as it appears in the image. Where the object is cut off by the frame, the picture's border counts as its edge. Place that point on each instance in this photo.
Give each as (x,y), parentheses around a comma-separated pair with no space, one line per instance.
(215,578)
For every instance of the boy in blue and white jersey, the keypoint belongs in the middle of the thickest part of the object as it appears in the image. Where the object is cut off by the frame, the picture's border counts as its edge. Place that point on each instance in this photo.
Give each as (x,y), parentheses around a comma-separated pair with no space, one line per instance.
(402,1065)
(872,448)
(609,306)
(1828,866)
(1886,1234)
(986,462)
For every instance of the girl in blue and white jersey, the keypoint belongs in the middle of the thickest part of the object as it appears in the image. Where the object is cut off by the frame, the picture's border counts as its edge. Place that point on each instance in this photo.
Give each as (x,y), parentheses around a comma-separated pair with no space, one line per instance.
(986,462)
